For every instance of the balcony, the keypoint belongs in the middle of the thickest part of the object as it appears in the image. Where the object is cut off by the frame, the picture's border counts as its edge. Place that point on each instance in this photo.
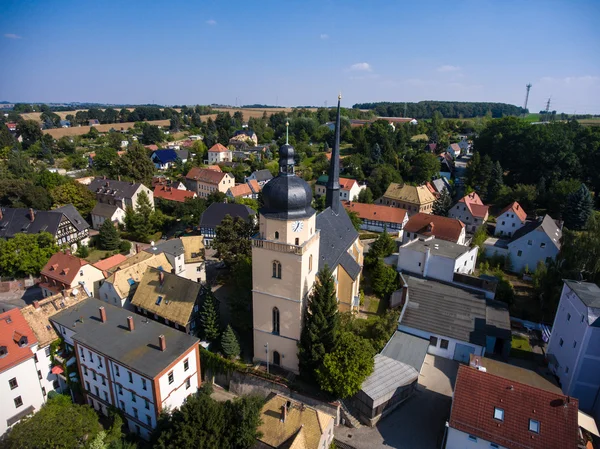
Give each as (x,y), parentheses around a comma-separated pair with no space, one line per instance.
(258,242)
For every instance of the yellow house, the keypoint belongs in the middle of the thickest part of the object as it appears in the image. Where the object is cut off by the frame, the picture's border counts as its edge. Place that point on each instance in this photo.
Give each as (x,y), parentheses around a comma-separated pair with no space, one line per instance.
(414,199)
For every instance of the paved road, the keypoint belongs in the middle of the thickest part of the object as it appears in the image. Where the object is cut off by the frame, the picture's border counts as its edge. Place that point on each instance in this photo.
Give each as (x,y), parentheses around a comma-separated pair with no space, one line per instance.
(19,298)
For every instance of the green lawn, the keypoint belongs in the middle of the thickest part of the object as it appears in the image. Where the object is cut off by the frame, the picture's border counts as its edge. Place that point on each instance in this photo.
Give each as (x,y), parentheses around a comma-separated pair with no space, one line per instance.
(521,343)
(97,254)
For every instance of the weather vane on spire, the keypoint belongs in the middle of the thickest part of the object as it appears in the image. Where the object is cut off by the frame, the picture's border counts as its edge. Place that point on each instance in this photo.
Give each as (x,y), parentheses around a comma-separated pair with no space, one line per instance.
(340,96)
(287,134)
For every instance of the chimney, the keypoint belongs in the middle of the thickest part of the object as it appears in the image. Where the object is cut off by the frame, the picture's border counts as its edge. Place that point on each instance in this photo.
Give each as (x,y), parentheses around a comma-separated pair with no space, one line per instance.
(31,215)
(162,342)
(36,304)
(161,277)
(137,248)
(430,227)
(130,324)
(283,413)
(102,314)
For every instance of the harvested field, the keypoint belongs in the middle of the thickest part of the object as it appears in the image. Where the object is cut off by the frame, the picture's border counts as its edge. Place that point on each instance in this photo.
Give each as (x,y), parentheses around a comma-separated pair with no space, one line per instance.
(57,133)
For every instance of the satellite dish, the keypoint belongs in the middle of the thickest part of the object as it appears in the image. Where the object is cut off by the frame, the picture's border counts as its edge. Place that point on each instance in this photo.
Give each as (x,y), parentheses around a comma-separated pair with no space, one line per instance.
(152,243)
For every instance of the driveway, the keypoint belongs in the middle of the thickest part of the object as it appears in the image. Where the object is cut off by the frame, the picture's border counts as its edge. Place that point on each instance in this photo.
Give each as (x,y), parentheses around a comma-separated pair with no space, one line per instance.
(420,422)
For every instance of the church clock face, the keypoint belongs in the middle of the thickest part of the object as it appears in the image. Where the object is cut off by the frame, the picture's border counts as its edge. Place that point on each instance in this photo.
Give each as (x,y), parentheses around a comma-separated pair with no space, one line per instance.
(297,226)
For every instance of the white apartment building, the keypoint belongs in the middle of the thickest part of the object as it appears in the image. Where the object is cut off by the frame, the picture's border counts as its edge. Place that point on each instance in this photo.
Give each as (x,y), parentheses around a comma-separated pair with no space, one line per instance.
(129,362)
(21,390)
(574,346)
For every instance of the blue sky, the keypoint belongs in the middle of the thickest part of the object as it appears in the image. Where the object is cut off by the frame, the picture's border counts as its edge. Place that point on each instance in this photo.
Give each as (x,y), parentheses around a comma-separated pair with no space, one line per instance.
(301,52)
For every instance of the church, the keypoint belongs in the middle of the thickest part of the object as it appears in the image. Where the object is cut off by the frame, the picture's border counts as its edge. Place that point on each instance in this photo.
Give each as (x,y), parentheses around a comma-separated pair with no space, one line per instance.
(293,244)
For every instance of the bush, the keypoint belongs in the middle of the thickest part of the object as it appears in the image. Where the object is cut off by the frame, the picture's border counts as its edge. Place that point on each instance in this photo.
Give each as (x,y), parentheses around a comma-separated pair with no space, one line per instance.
(83,251)
(125,246)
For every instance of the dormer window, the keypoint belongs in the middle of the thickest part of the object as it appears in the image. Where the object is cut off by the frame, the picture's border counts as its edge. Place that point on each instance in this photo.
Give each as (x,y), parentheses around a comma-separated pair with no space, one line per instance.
(3,351)
(534,426)
(498,414)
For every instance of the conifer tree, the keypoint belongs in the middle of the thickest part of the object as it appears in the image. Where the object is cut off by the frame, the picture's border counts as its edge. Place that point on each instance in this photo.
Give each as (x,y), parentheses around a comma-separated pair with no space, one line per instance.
(209,319)
(578,208)
(382,247)
(229,343)
(108,236)
(321,325)
(443,204)
(496,182)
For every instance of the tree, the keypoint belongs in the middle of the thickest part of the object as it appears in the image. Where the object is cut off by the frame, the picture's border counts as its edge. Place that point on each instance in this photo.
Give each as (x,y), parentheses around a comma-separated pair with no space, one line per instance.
(321,324)
(355,219)
(345,369)
(108,236)
(152,134)
(29,131)
(578,209)
(209,319)
(382,247)
(106,160)
(381,177)
(58,424)
(365,196)
(496,182)
(26,254)
(136,164)
(140,222)
(240,302)
(229,343)
(76,194)
(425,167)
(232,239)
(442,204)
(384,279)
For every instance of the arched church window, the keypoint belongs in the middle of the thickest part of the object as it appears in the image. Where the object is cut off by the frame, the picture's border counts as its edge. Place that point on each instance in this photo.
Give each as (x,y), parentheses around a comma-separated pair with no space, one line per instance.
(275,320)
(276,235)
(297,241)
(276,269)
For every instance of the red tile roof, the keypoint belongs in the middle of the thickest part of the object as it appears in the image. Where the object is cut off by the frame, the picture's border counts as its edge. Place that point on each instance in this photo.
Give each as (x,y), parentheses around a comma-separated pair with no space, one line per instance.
(218,148)
(455,147)
(108,263)
(240,190)
(214,167)
(477,393)
(441,227)
(254,186)
(63,267)
(205,175)
(172,194)
(516,209)
(346,183)
(12,327)
(376,212)
(151,147)
(475,205)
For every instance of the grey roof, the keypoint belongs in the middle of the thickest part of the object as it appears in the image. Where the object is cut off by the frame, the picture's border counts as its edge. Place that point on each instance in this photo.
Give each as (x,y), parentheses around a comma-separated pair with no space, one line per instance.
(173,246)
(263,175)
(545,224)
(137,350)
(74,217)
(441,184)
(182,154)
(388,375)
(214,214)
(454,312)
(589,294)
(437,247)
(104,210)
(15,221)
(337,236)
(122,189)
(407,349)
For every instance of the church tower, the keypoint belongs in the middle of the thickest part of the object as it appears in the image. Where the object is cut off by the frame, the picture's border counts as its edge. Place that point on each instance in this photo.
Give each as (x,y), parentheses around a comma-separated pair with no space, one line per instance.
(285,261)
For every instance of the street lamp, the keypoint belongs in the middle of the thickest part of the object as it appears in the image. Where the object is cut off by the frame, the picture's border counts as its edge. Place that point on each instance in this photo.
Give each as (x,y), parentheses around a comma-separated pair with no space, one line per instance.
(267,351)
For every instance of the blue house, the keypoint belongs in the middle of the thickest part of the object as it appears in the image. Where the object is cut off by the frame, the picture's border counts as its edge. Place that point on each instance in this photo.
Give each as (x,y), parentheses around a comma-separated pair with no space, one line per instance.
(164,159)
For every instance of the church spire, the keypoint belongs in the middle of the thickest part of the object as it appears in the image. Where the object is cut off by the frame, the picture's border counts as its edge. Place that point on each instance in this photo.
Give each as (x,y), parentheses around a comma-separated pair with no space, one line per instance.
(332,198)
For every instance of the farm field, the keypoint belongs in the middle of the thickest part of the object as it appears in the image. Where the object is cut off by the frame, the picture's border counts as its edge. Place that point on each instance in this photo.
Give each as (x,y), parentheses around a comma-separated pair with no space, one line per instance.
(57,133)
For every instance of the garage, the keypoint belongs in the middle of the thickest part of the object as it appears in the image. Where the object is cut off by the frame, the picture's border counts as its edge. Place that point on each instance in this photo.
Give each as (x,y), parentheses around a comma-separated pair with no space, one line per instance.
(463,352)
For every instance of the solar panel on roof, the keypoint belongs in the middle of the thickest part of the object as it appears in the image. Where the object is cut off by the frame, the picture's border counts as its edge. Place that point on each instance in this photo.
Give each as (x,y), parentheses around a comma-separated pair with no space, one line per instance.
(159,300)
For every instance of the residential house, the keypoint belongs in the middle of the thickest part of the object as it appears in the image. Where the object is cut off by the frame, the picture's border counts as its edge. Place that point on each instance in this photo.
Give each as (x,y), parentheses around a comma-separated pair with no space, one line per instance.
(20,387)
(51,374)
(65,123)
(464,145)
(435,258)
(195,265)
(214,215)
(65,271)
(573,351)
(394,378)
(455,150)
(119,193)
(537,241)
(118,288)
(349,188)
(106,265)
(471,211)
(456,321)
(440,185)
(174,251)
(204,181)
(243,151)
(218,153)
(172,194)
(425,225)
(12,127)
(431,148)
(511,219)
(111,212)
(287,423)
(446,163)
(248,189)
(414,199)
(260,176)
(165,159)
(93,122)
(65,224)
(492,411)
(377,218)
(244,136)
(168,299)
(136,365)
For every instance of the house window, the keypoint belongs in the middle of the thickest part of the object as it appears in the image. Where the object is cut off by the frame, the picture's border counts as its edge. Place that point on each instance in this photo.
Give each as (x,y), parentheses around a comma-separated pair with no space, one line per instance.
(433,341)
(120,388)
(276,235)
(103,380)
(276,269)
(84,370)
(122,404)
(534,426)
(87,386)
(97,391)
(275,318)
(513,225)
(503,223)
(494,446)
(519,253)
(47,351)
(568,317)
(472,438)
(130,377)
(560,343)
(146,404)
(297,241)
(529,242)
(419,263)
(566,370)
(106,396)
(498,414)
(117,371)
(171,378)
(18,401)
(135,413)
(186,364)
(188,384)
(542,245)
(149,420)
(444,344)
(13,383)
(94,375)
(133,399)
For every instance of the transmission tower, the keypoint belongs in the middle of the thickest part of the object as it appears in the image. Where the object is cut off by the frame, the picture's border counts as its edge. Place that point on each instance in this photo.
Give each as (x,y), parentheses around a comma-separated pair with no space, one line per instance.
(527,95)
(547,118)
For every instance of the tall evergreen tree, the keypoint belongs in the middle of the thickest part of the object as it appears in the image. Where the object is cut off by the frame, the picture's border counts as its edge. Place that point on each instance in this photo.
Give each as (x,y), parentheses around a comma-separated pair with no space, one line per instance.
(209,319)
(384,246)
(495,183)
(229,343)
(443,204)
(143,212)
(108,236)
(578,209)
(321,325)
